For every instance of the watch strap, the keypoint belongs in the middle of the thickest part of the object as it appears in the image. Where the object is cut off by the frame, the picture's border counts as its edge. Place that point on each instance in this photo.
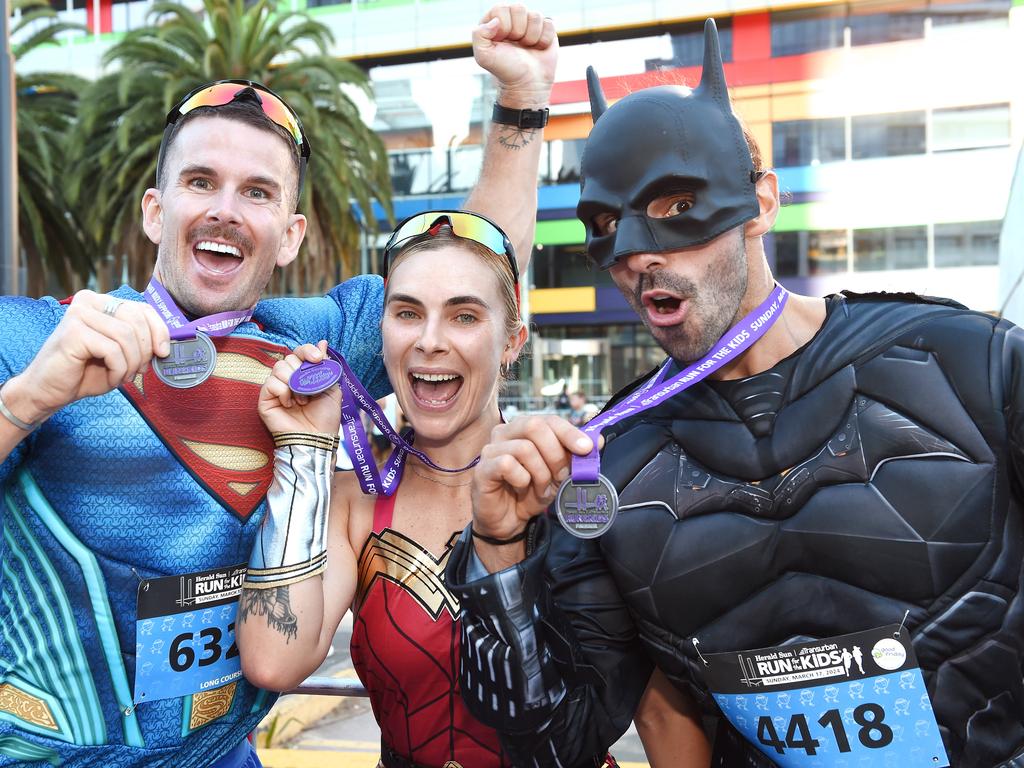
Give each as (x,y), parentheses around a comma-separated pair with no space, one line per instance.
(521,118)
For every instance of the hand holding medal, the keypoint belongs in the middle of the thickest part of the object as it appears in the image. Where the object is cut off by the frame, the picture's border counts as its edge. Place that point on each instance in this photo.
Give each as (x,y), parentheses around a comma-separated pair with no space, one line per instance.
(192,357)
(283,409)
(519,473)
(100,343)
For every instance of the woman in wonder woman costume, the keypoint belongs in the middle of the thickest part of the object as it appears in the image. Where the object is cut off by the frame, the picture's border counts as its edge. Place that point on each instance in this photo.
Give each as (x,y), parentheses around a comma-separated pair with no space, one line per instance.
(451,328)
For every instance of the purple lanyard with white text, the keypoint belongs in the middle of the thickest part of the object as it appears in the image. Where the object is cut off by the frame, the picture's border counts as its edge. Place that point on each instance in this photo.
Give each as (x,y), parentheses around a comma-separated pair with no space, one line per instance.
(220,324)
(736,341)
(355,398)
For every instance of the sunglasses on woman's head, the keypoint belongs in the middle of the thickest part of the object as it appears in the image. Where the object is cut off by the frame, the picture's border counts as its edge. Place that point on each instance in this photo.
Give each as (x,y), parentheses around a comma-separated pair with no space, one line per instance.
(470,226)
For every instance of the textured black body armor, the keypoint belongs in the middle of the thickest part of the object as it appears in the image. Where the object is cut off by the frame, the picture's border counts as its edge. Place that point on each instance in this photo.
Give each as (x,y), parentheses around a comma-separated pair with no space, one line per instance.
(875,471)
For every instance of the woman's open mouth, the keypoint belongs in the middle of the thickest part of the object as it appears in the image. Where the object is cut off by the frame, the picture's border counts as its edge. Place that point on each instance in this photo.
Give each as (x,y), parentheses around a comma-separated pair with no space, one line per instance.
(434,390)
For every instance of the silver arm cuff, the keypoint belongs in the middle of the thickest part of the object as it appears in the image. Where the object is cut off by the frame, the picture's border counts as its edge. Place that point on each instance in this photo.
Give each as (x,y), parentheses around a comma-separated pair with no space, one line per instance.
(292,542)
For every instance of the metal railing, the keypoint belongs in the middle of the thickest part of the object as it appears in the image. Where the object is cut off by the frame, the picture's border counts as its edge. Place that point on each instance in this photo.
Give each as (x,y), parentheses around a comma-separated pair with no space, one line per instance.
(330,686)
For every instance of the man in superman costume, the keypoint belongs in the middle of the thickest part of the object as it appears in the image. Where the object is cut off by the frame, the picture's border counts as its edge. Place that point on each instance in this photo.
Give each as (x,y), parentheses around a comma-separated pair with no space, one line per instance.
(820,543)
(130,504)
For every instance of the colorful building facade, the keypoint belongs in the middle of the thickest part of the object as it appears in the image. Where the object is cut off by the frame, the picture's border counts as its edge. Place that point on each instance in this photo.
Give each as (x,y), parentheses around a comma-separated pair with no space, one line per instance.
(893,127)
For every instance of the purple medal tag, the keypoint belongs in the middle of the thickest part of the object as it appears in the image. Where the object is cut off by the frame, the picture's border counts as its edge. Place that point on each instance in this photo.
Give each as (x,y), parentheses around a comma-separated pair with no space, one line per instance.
(314,378)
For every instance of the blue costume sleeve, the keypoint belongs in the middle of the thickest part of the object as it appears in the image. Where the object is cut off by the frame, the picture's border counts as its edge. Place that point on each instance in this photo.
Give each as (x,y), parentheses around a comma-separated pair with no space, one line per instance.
(26,324)
(348,317)
(361,304)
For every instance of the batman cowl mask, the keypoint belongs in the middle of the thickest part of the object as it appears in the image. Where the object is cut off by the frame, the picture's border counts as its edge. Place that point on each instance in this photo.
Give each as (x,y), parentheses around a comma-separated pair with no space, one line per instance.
(662,140)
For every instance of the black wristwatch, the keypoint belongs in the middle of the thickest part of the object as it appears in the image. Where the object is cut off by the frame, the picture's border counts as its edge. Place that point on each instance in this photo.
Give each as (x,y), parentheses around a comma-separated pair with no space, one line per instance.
(521,118)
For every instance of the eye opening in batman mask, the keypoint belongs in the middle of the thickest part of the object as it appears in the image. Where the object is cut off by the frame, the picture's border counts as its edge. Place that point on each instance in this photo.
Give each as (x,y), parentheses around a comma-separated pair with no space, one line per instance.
(662,206)
(671,204)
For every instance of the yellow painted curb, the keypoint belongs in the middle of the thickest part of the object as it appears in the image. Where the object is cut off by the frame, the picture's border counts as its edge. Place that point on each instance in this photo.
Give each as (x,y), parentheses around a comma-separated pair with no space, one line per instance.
(316,758)
(293,714)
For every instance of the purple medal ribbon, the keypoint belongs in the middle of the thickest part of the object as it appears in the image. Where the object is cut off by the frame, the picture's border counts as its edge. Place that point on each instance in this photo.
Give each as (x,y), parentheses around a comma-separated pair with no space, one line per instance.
(308,380)
(220,324)
(736,341)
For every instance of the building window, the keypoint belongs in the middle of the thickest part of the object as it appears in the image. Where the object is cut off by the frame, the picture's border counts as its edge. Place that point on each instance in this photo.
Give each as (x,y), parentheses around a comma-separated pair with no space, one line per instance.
(787,254)
(967,244)
(688,46)
(899,133)
(946,13)
(826,252)
(565,266)
(433,171)
(870,23)
(818,252)
(890,248)
(808,142)
(971,127)
(806,29)
(562,162)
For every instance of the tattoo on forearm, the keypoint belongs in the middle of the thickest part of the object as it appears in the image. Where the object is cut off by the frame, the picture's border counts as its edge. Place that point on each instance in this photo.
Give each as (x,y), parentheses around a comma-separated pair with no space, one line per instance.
(512,137)
(272,603)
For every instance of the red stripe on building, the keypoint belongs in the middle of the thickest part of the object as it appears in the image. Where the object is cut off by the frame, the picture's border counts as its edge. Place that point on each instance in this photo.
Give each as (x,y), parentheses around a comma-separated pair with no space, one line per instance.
(745,71)
(751,36)
(106,16)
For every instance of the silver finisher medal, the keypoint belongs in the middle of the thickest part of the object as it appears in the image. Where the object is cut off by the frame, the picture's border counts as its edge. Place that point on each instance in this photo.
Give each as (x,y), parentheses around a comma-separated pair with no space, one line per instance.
(189,364)
(587,510)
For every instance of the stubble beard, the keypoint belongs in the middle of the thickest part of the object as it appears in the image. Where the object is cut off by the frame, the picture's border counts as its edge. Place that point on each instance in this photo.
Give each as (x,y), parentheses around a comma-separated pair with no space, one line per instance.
(186,295)
(714,304)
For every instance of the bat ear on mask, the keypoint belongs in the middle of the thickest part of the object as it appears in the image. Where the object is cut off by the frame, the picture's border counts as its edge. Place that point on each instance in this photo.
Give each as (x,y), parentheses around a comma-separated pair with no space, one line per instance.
(598,104)
(712,77)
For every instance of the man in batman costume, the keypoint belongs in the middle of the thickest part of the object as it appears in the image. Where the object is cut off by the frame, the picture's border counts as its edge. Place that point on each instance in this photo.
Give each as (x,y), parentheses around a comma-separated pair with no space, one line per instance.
(858,468)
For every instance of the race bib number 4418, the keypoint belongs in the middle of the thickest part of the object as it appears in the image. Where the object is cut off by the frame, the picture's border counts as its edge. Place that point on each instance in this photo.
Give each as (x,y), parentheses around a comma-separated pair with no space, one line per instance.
(185,633)
(856,700)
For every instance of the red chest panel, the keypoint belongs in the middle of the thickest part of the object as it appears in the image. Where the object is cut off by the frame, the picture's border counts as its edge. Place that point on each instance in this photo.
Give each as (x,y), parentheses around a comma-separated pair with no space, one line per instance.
(214,429)
(405,647)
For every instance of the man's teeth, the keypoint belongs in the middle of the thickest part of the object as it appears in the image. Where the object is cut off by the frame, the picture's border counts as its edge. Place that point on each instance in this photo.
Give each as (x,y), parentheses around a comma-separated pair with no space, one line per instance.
(435,376)
(208,245)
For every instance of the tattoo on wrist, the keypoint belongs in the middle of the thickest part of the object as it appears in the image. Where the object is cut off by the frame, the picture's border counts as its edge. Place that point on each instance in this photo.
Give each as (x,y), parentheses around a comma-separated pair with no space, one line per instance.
(512,137)
(272,603)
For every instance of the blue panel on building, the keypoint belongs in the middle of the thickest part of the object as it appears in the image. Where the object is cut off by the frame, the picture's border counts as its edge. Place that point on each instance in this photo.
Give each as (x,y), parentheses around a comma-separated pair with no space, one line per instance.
(611,309)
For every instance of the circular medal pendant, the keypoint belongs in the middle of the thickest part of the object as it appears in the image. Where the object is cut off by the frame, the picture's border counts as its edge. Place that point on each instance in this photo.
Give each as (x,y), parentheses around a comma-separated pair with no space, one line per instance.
(189,364)
(587,510)
(314,378)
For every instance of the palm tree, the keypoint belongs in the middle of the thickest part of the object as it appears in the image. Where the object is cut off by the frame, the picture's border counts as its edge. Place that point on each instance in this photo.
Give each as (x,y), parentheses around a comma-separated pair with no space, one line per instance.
(50,236)
(122,121)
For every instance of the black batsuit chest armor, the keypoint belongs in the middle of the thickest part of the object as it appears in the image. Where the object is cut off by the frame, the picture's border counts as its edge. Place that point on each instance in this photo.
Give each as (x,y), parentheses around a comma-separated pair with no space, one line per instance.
(862,477)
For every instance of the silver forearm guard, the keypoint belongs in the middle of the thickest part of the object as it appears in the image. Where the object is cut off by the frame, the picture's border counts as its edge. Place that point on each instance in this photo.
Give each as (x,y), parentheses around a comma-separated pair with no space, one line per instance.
(292,542)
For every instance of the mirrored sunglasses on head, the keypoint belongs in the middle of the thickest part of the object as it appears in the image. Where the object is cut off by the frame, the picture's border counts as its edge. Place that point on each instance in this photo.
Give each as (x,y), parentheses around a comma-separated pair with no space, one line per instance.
(225,91)
(471,226)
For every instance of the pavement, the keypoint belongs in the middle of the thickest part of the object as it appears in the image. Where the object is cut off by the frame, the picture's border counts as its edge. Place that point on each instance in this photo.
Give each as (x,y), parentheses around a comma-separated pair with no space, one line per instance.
(304,731)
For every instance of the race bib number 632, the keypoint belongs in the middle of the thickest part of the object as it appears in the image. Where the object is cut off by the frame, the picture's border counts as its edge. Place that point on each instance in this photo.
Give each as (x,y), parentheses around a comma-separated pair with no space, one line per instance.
(185,633)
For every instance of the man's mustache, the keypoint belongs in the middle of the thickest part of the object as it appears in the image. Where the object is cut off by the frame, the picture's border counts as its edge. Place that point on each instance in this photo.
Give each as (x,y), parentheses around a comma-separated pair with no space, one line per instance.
(219,232)
(682,287)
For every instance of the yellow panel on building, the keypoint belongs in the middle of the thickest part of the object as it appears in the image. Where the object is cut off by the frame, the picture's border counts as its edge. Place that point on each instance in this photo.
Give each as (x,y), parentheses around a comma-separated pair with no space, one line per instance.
(544,301)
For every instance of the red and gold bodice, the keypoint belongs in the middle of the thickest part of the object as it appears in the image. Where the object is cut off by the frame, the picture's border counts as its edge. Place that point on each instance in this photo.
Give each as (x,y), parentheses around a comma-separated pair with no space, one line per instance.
(405,648)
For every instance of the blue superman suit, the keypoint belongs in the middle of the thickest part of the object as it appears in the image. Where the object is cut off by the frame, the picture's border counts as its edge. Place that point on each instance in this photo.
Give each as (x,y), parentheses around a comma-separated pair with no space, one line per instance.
(141,483)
